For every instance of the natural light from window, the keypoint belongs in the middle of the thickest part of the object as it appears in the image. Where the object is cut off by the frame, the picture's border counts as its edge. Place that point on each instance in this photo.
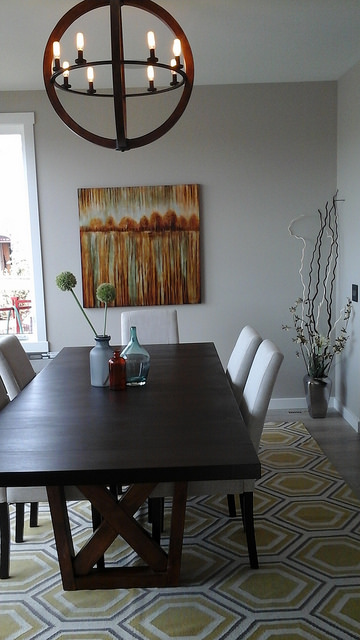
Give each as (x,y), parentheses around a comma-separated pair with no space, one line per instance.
(21,308)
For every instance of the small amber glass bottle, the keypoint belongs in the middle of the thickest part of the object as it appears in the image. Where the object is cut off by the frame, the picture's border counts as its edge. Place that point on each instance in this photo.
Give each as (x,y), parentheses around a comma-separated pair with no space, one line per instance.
(117,372)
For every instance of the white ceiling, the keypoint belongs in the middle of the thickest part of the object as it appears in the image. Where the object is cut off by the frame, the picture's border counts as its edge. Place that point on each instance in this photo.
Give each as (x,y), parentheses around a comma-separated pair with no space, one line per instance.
(233,41)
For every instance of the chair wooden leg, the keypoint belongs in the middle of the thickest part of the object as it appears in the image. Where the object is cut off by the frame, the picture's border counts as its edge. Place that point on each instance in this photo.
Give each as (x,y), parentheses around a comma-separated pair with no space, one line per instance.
(34,510)
(248,509)
(231,505)
(242,507)
(4,540)
(157,517)
(19,521)
(115,490)
(151,503)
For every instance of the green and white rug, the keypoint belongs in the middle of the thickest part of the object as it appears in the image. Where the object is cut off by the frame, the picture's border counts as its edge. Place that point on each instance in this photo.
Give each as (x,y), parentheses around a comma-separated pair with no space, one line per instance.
(307,587)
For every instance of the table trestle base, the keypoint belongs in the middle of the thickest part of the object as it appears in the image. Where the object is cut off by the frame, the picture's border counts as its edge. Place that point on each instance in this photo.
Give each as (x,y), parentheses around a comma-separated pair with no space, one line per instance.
(78,571)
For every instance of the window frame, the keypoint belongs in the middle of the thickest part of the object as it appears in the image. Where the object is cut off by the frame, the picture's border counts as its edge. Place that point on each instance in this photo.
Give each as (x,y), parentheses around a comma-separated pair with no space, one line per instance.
(23,124)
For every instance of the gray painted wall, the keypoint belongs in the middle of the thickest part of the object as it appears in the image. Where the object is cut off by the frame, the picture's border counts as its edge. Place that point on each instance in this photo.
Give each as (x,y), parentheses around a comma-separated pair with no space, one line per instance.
(262,155)
(348,374)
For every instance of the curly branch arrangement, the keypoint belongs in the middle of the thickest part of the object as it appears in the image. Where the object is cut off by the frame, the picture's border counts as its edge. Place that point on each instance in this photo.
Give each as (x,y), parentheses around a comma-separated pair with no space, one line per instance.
(315,331)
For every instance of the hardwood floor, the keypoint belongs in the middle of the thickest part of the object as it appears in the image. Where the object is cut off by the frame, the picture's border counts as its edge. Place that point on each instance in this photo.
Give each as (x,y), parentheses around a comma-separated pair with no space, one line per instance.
(335,436)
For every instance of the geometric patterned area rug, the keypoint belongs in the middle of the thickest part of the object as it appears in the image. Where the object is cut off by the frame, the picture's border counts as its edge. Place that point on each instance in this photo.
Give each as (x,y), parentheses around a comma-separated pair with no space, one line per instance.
(307,524)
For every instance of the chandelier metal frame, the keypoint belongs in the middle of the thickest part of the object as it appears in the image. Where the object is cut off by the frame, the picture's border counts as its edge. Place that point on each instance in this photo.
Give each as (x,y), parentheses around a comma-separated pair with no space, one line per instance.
(53,74)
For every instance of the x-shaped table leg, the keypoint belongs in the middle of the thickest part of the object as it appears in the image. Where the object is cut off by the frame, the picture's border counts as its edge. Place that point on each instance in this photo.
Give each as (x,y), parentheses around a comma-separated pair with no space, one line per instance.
(78,570)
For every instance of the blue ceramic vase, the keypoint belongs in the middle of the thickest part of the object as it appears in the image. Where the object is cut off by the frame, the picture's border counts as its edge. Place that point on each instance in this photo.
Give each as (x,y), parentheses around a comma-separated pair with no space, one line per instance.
(99,361)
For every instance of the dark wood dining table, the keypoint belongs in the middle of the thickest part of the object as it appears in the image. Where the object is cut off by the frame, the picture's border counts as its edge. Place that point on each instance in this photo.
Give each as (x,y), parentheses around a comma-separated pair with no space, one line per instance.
(184,424)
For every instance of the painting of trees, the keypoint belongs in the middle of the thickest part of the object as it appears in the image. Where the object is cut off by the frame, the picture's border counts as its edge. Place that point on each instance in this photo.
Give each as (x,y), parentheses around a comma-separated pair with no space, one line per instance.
(144,240)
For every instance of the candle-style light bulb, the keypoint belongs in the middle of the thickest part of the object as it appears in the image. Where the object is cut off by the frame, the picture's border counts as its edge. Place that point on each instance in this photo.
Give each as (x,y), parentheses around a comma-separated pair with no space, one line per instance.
(174,80)
(56,54)
(56,49)
(80,41)
(80,48)
(90,77)
(151,45)
(151,39)
(151,76)
(66,84)
(177,50)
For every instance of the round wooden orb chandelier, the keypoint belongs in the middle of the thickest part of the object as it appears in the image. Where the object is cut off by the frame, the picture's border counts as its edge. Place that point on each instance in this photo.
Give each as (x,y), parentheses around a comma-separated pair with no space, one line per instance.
(57,74)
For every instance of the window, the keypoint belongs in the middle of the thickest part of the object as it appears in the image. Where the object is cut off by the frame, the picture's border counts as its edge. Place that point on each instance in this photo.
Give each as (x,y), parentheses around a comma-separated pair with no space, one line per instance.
(22,309)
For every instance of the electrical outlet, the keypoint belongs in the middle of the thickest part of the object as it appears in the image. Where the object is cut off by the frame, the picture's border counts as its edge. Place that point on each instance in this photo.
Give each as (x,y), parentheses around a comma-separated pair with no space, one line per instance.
(354,293)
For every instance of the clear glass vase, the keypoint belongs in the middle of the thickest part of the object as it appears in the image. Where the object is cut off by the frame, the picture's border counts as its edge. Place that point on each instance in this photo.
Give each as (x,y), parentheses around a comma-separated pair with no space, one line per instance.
(137,361)
(99,361)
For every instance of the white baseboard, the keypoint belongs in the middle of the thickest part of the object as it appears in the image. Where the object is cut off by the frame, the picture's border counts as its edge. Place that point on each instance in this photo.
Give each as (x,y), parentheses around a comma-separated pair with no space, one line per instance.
(349,416)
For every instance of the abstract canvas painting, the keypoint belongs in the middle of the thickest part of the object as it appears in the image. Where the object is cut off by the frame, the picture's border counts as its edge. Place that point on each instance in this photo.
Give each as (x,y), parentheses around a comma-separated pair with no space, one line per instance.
(144,240)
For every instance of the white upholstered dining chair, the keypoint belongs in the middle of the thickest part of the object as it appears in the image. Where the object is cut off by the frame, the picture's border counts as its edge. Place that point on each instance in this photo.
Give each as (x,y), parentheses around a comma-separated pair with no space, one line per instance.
(15,367)
(237,372)
(241,359)
(4,398)
(15,373)
(153,326)
(20,495)
(4,520)
(253,406)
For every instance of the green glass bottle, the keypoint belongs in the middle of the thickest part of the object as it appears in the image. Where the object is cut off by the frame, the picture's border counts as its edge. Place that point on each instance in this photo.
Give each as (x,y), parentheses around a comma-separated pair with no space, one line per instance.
(137,361)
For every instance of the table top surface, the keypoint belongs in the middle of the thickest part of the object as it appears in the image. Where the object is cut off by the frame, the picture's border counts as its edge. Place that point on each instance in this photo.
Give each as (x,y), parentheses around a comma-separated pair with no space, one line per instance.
(184,424)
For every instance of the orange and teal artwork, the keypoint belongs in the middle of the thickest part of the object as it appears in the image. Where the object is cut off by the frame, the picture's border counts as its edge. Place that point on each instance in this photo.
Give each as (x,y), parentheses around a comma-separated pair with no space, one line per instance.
(143,240)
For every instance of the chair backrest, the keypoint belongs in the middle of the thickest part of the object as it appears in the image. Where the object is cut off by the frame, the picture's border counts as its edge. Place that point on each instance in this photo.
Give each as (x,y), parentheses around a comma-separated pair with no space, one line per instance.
(153,326)
(259,387)
(4,398)
(241,360)
(15,367)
